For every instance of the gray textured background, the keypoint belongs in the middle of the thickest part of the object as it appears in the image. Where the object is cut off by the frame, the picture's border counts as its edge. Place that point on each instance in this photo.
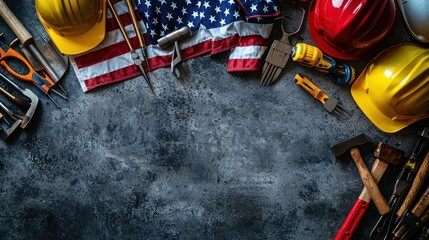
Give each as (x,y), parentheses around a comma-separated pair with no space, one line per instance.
(216,157)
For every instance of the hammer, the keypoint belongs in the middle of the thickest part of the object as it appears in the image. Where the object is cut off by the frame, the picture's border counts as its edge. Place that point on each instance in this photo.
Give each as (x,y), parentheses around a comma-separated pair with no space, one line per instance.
(367,179)
(384,154)
(419,179)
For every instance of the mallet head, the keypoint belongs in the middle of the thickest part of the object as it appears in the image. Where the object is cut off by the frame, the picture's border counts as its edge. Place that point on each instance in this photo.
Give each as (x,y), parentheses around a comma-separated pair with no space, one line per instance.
(387,153)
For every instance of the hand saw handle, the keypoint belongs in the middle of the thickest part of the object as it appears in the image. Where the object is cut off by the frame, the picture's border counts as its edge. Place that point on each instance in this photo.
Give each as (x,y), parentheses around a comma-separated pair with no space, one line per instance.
(23,35)
(308,86)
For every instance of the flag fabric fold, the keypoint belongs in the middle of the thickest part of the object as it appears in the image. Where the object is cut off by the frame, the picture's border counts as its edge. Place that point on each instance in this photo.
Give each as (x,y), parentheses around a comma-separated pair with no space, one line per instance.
(217,26)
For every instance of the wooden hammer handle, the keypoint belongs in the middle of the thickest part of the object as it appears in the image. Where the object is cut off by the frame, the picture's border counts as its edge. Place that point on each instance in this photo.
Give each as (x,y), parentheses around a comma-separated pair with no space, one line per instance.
(422,204)
(420,178)
(369,182)
(20,31)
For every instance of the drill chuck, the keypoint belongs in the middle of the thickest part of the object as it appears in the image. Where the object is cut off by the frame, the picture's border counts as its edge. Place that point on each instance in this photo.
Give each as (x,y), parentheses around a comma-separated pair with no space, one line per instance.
(313,57)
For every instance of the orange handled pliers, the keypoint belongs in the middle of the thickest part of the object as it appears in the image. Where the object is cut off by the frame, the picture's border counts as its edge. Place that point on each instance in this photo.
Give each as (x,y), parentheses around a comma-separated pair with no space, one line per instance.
(45,84)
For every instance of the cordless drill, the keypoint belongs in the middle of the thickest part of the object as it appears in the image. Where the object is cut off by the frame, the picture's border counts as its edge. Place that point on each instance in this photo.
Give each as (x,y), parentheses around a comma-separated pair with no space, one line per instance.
(313,57)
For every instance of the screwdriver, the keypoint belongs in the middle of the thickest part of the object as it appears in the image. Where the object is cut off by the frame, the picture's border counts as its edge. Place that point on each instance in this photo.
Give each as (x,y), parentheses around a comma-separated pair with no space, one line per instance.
(22,102)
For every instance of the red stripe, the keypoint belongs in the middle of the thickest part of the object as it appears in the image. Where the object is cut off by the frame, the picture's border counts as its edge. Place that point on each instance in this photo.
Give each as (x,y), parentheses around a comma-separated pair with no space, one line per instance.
(252,40)
(243,65)
(105,54)
(112,77)
(212,47)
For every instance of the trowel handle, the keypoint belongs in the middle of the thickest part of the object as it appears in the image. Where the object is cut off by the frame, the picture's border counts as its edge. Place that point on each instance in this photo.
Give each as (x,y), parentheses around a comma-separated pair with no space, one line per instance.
(23,35)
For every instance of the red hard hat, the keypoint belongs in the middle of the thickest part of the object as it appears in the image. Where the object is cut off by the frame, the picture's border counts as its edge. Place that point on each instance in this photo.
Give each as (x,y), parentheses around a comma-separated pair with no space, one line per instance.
(350,29)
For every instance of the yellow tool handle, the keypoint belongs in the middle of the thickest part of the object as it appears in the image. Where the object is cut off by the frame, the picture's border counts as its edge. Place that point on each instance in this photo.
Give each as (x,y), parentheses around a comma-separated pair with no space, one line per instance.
(135,24)
(115,14)
(16,26)
(308,86)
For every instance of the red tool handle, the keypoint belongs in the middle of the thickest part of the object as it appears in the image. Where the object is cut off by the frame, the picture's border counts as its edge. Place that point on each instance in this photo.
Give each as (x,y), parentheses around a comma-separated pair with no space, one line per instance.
(352,220)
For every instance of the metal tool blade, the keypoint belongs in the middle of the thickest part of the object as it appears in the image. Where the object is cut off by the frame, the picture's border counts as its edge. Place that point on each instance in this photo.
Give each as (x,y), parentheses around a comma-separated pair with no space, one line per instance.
(6,133)
(58,61)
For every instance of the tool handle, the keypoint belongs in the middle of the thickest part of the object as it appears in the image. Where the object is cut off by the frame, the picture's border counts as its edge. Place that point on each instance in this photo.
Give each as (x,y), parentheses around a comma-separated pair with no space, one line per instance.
(419,179)
(43,83)
(422,204)
(7,94)
(135,24)
(352,221)
(361,205)
(369,182)
(16,26)
(308,86)
(124,33)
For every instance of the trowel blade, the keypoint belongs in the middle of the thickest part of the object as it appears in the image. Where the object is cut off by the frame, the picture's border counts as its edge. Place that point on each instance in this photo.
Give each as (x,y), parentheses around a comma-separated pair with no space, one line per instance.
(58,61)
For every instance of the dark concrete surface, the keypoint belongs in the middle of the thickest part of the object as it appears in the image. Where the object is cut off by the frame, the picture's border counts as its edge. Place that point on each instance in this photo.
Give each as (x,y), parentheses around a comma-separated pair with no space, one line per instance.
(216,157)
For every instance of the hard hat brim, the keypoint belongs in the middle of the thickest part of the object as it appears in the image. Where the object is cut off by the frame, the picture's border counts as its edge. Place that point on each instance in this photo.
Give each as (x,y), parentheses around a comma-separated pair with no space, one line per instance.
(72,45)
(363,100)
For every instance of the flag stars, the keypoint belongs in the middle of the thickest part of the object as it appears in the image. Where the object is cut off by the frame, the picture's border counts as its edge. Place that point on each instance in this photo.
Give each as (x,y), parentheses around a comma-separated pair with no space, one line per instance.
(202,15)
(169,16)
(265,9)
(253,8)
(157,10)
(212,19)
(217,9)
(184,11)
(231,2)
(188,2)
(206,5)
(226,12)
(222,22)
(179,20)
(165,27)
(190,24)
(236,14)
(173,5)
(147,3)
(155,21)
(195,14)
(162,2)
(153,33)
(199,4)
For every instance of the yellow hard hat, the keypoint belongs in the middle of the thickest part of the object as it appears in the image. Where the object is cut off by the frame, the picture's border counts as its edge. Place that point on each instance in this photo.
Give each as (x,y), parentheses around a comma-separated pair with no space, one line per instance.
(75,26)
(393,89)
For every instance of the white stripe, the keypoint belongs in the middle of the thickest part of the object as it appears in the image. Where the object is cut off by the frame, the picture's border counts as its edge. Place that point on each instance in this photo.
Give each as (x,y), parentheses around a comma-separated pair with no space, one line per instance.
(107,66)
(248,52)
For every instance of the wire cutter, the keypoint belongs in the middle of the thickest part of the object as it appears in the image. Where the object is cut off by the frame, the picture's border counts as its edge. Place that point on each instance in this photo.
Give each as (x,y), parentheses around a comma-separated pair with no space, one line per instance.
(44,84)
(136,59)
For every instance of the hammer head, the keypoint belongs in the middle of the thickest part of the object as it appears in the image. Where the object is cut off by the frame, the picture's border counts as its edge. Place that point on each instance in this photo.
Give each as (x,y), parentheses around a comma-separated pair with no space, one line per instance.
(342,147)
(387,153)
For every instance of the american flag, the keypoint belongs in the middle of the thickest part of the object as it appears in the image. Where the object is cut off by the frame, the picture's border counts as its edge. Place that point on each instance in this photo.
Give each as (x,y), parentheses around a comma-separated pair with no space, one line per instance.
(243,27)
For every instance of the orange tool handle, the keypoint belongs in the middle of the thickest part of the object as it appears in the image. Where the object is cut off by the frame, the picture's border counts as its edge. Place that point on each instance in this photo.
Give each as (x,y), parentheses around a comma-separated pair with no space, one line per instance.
(43,83)
(308,86)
